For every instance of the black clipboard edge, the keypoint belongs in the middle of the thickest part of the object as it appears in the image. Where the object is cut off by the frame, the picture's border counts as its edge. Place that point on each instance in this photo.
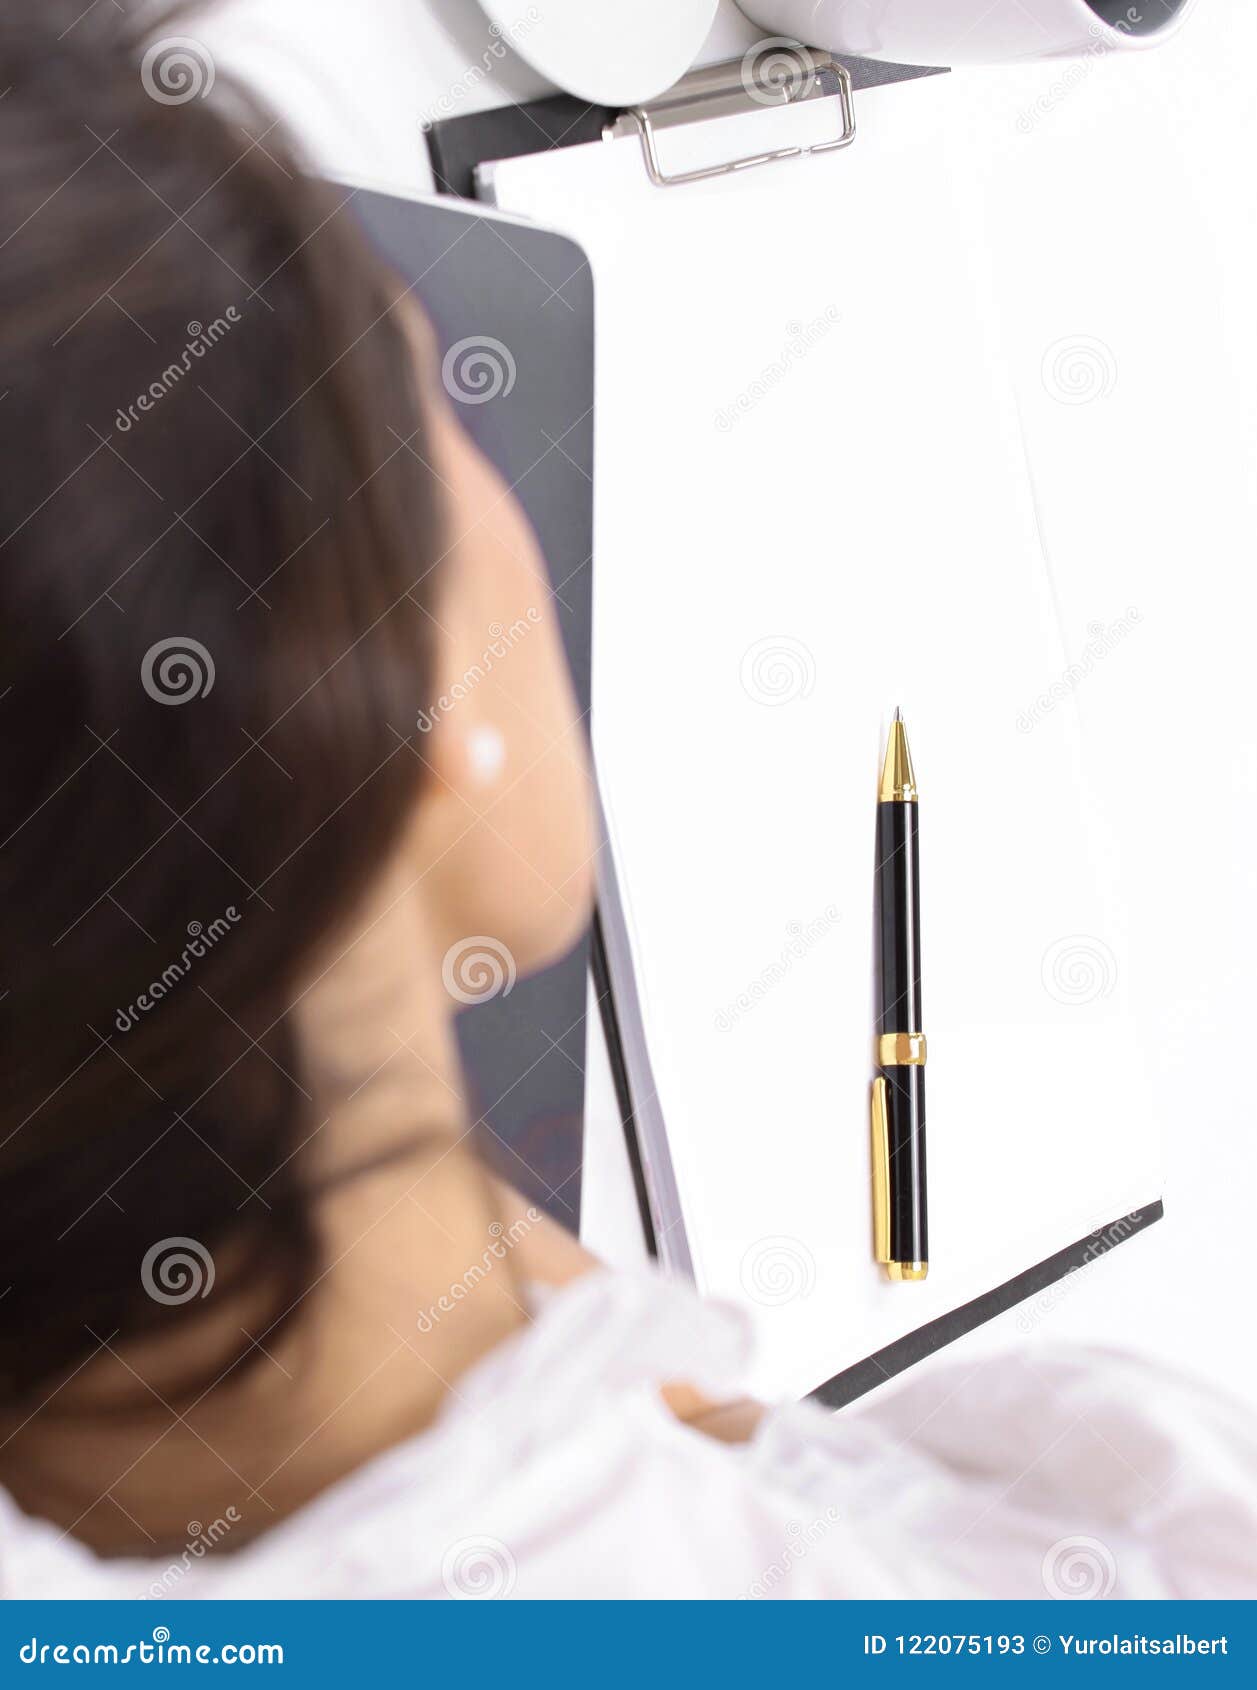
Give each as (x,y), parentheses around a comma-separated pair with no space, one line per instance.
(601,971)
(456,145)
(905,1352)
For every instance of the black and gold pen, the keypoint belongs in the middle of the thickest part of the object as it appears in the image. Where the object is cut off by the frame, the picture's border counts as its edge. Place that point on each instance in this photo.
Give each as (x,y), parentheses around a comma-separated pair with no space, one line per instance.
(899,1218)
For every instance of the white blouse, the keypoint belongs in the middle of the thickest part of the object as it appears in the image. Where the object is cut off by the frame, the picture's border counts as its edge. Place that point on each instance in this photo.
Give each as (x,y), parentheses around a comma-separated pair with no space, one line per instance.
(555,1470)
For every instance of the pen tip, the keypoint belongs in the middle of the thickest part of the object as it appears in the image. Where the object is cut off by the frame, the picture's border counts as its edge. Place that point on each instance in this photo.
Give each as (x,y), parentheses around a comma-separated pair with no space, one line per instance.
(898,717)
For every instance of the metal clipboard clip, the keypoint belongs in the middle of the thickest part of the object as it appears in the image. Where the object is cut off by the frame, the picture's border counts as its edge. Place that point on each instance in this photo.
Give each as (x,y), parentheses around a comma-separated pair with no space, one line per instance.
(782,76)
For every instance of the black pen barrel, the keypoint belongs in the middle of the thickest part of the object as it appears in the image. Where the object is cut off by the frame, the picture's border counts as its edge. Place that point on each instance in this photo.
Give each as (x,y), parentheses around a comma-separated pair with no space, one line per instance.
(899,919)
(901,1048)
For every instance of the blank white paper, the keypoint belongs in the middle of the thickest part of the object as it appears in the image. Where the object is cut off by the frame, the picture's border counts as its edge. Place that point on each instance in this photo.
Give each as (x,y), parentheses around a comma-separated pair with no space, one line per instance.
(812,505)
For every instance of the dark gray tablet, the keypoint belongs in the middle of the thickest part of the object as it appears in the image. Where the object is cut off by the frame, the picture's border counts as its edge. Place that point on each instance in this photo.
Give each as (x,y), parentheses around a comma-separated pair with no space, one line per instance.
(513,307)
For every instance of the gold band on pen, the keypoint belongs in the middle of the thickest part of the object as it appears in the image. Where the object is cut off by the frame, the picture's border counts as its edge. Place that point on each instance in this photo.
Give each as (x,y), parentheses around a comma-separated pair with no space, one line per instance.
(900,1050)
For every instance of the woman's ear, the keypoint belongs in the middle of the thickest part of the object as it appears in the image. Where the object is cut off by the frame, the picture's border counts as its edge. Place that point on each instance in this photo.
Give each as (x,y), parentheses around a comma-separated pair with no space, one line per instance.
(503,833)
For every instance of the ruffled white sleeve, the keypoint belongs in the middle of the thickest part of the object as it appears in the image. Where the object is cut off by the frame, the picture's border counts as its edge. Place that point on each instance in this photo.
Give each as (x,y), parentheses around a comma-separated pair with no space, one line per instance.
(555,1470)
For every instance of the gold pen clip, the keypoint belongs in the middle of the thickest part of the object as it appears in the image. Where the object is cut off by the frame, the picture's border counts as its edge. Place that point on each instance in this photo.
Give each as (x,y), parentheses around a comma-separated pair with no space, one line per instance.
(881,1172)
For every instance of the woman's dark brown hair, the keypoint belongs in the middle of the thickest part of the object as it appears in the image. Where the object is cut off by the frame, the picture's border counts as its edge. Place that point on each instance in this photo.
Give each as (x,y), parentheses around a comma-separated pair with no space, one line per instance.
(214,563)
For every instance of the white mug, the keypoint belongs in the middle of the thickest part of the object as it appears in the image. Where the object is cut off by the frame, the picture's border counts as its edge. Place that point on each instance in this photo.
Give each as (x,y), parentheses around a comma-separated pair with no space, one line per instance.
(955,32)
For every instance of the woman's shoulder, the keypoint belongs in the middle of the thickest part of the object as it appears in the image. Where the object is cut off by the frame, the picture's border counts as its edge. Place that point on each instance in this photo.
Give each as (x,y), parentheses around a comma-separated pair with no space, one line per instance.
(552,1448)
(555,1469)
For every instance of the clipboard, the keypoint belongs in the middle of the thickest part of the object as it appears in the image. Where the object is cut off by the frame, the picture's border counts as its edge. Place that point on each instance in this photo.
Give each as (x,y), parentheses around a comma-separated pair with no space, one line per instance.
(659,1178)
(458,146)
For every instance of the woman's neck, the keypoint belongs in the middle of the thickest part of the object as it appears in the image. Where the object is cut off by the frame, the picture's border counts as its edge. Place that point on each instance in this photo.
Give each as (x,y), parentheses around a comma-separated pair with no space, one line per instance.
(124,1463)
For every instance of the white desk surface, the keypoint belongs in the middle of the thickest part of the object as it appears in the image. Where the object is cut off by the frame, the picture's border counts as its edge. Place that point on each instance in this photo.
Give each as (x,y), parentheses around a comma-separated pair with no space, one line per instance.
(1174,700)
